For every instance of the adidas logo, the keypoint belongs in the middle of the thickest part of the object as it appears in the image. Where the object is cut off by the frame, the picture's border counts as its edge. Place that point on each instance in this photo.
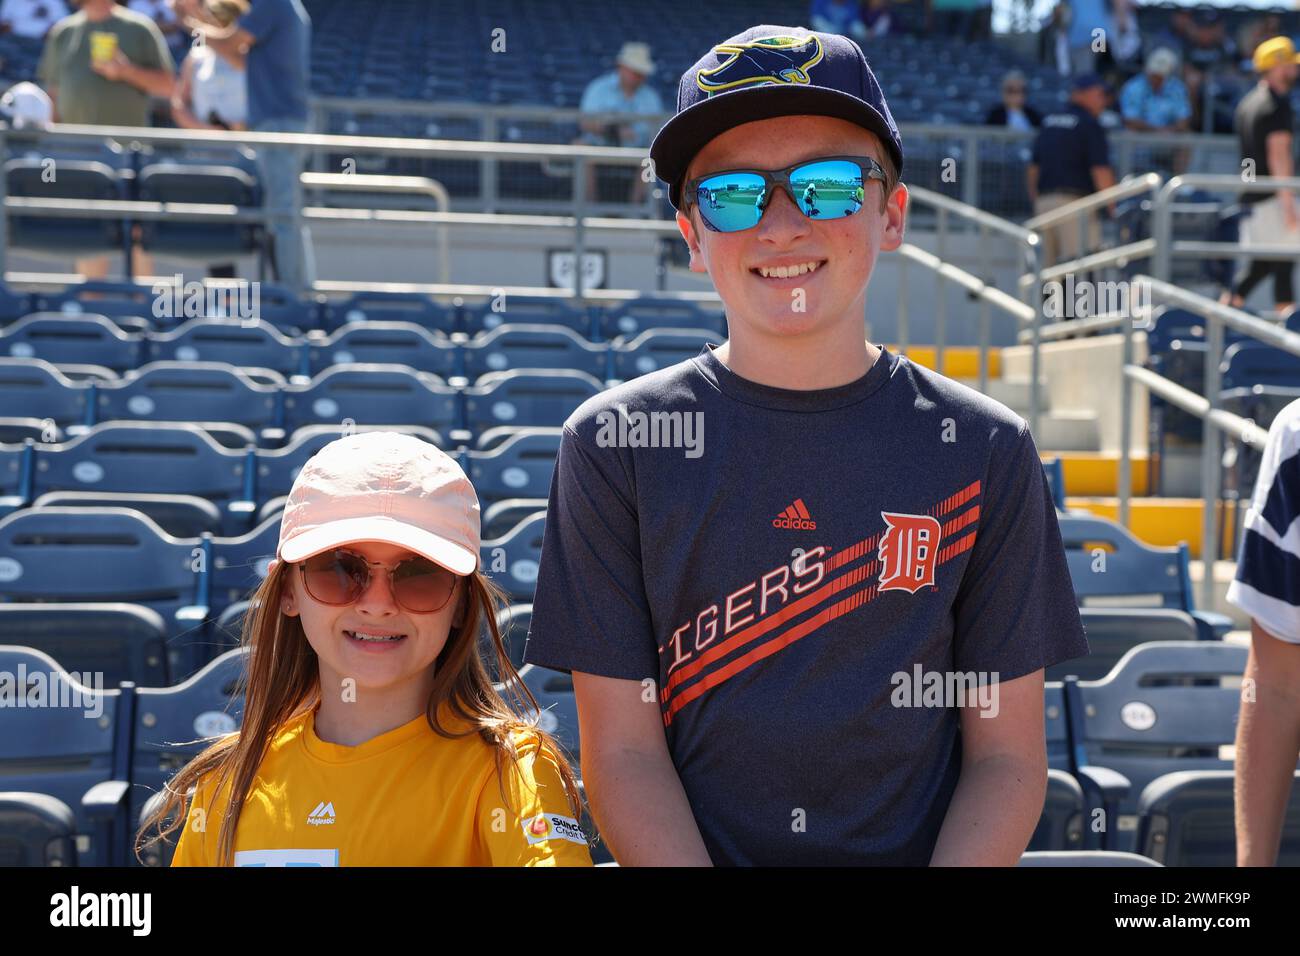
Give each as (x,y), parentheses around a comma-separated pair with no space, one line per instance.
(323,815)
(796,516)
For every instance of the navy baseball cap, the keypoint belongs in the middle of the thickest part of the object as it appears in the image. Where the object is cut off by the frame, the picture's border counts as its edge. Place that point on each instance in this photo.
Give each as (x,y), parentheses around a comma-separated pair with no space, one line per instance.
(1086,81)
(765,72)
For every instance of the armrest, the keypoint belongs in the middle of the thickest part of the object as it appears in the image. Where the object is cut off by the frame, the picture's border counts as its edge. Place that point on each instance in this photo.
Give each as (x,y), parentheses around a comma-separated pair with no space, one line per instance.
(105,799)
(1105,788)
(1211,625)
(106,804)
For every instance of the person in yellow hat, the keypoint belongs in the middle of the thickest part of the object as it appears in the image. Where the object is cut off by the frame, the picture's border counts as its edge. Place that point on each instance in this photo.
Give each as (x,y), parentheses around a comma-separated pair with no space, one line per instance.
(1263,123)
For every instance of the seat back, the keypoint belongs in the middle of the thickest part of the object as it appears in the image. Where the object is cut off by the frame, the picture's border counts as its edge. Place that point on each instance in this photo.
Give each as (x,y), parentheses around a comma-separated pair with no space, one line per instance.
(34,388)
(512,560)
(385,343)
(1109,567)
(526,398)
(533,346)
(251,342)
(189,392)
(374,394)
(659,348)
(519,467)
(36,830)
(73,340)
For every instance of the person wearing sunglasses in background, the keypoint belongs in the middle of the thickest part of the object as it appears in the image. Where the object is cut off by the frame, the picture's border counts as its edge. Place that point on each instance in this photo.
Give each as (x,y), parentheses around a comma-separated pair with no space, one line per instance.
(743,614)
(372,734)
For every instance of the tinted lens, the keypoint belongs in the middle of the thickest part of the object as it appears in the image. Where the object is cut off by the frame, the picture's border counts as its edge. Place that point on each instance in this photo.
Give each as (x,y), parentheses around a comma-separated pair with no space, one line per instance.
(335,577)
(730,202)
(831,189)
(420,585)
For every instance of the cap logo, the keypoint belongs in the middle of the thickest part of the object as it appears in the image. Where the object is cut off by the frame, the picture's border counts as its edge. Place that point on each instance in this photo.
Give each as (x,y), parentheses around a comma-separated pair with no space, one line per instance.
(778,59)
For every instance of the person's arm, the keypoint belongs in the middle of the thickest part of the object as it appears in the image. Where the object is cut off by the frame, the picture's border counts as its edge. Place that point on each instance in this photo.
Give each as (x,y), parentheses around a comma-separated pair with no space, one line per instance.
(536,825)
(635,794)
(999,795)
(1268,740)
(121,70)
(183,97)
(1278,145)
(591,104)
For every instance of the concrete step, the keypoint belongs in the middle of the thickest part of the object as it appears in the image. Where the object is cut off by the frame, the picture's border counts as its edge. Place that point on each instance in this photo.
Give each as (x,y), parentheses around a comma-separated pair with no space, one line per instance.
(1073,430)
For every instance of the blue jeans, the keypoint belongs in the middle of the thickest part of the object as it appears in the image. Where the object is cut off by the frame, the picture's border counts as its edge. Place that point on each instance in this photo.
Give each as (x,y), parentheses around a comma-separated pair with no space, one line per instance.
(280,168)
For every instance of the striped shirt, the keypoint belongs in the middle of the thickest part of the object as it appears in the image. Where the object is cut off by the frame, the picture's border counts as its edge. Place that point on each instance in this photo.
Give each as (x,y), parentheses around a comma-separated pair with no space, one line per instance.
(1267,586)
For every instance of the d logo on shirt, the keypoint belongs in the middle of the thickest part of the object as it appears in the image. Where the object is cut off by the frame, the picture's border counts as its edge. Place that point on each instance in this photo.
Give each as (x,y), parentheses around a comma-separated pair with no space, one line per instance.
(908,552)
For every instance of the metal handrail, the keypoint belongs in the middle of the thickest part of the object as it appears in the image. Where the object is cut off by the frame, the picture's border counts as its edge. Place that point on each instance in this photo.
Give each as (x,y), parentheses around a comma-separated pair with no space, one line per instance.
(1216,316)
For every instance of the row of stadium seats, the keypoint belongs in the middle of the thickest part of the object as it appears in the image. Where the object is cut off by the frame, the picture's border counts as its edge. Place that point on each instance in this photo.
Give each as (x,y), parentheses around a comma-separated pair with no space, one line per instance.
(254,344)
(141,308)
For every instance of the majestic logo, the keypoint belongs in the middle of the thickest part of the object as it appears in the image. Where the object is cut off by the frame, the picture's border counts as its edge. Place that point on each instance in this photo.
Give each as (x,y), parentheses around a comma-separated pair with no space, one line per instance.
(795,516)
(908,552)
(779,59)
(323,815)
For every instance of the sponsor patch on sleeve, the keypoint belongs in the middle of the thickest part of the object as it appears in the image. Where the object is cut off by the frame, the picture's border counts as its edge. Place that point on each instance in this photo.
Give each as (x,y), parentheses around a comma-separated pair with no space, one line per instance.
(552,826)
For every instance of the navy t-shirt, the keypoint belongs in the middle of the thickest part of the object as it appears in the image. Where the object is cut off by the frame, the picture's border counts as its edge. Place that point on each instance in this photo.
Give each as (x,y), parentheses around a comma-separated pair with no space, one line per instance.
(1069,144)
(775,577)
(279,62)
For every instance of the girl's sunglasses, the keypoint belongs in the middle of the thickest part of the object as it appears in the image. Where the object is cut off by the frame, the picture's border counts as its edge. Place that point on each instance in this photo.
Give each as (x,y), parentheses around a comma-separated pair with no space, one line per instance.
(828,188)
(340,576)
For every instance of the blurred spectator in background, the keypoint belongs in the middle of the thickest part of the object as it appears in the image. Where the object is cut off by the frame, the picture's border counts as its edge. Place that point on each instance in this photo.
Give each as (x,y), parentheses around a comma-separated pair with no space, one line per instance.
(842,17)
(1121,59)
(1253,33)
(1013,111)
(30,18)
(1155,101)
(272,43)
(1090,27)
(25,105)
(1071,159)
(1264,129)
(164,17)
(622,90)
(212,92)
(968,19)
(875,15)
(1208,47)
(100,66)
(1054,38)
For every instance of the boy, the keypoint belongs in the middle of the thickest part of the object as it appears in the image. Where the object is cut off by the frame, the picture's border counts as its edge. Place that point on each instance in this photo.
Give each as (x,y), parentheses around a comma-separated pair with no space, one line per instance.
(757,625)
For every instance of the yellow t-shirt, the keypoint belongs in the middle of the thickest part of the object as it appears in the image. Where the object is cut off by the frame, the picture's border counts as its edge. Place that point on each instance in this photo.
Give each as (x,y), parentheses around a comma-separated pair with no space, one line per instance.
(409,797)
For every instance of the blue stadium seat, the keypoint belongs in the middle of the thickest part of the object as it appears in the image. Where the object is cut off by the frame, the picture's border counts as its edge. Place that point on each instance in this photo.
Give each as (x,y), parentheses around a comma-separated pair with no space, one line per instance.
(1089,858)
(36,830)
(13,304)
(1108,564)
(174,724)
(16,429)
(128,304)
(109,554)
(17,468)
(65,339)
(253,342)
(411,307)
(170,461)
(512,560)
(1056,725)
(519,467)
(58,751)
(1155,713)
(638,315)
(239,565)
(532,347)
(124,642)
(1258,380)
(1186,819)
(383,343)
(1060,827)
(31,178)
(519,309)
(181,516)
(286,311)
(526,398)
(195,392)
(1114,631)
(34,388)
(1055,470)
(372,395)
(659,348)
(169,182)
(501,516)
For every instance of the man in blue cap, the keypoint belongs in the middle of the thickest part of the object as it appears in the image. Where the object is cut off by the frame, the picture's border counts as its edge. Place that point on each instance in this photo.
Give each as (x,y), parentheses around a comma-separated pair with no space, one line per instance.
(805,587)
(1071,160)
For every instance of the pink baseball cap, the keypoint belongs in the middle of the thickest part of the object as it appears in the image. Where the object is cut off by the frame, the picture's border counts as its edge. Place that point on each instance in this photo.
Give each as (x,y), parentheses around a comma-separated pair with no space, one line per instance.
(383,486)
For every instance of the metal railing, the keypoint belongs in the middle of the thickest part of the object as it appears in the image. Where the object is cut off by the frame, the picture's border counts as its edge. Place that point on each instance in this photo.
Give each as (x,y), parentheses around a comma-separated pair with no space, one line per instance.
(1213,418)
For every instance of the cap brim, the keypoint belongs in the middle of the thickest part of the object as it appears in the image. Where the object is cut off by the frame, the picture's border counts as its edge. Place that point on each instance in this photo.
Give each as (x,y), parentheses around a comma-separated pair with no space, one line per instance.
(689,131)
(453,557)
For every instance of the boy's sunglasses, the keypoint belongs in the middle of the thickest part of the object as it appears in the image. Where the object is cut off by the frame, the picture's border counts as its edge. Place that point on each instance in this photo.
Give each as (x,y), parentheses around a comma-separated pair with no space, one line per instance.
(828,188)
(340,576)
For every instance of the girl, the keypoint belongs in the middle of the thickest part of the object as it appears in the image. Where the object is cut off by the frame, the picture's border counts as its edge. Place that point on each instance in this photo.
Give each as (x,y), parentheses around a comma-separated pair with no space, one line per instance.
(372,734)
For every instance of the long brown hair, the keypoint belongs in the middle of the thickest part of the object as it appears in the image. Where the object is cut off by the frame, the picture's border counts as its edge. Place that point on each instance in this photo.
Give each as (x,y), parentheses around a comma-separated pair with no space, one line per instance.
(282,682)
